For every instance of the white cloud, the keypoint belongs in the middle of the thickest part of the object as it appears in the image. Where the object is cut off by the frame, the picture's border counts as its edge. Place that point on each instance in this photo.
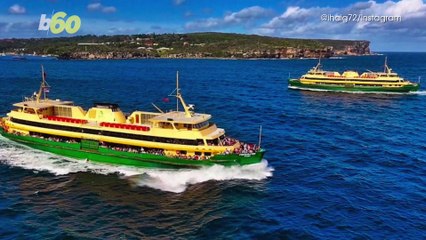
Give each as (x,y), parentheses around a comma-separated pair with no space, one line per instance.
(208,23)
(298,22)
(109,9)
(94,6)
(306,22)
(99,7)
(245,16)
(178,2)
(17,9)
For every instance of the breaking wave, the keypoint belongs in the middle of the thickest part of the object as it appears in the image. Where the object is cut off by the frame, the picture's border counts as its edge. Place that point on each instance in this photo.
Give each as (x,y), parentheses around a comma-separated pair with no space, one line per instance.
(178,180)
(14,154)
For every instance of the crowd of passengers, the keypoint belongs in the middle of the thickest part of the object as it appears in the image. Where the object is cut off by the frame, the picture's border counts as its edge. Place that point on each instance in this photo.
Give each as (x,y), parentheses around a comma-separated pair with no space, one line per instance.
(189,157)
(227,141)
(245,148)
(133,149)
(54,139)
(154,151)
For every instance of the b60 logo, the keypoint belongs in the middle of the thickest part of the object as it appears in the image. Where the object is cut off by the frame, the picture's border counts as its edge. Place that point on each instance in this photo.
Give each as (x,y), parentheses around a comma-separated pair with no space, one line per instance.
(58,23)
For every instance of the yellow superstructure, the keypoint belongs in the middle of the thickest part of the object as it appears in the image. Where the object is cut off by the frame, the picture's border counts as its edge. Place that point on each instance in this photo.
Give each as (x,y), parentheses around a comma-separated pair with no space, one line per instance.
(172,132)
(385,79)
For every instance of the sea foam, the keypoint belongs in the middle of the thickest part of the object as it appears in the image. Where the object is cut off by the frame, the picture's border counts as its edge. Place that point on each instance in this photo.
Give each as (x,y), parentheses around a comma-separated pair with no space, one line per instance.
(17,155)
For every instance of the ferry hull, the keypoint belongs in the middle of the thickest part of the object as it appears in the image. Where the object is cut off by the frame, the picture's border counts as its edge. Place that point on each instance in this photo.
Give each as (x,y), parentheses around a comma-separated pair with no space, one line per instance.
(144,160)
(407,88)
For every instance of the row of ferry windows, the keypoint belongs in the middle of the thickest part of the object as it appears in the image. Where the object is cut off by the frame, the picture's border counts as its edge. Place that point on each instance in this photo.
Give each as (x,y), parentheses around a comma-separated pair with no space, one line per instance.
(110,133)
(187,126)
(57,111)
(332,74)
(359,80)
(214,142)
(197,126)
(365,85)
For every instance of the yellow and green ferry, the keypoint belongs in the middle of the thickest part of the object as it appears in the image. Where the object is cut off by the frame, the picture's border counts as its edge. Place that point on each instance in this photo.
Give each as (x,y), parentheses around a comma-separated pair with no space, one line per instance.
(103,133)
(352,81)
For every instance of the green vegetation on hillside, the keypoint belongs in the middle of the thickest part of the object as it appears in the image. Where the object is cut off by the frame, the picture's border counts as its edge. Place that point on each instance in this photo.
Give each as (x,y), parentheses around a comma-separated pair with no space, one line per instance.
(181,45)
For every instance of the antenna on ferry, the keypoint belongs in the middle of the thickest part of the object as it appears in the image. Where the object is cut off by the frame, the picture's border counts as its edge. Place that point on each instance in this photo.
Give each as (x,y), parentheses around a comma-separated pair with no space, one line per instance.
(186,108)
(43,75)
(386,64)
(156,107)
(318,66)
(177,91)
(44,86)
(260,135)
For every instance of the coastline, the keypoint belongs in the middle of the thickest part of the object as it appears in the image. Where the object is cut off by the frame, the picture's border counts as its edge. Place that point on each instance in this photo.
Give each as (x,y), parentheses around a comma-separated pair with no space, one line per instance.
(50,57)
(182,46)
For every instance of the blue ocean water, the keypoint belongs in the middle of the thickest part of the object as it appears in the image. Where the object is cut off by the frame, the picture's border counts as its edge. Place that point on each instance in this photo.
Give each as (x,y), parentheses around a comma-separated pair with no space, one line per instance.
(339,165)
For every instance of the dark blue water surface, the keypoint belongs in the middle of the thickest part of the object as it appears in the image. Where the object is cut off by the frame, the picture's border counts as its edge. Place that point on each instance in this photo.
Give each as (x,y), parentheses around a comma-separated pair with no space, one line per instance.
(346,166)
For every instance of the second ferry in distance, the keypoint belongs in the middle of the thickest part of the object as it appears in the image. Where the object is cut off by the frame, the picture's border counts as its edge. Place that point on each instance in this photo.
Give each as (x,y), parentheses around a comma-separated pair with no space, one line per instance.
(351,81)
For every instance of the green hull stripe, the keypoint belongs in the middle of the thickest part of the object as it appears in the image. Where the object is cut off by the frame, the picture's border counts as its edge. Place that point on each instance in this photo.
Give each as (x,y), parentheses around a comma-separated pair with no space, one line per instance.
(407,88)
(146,160)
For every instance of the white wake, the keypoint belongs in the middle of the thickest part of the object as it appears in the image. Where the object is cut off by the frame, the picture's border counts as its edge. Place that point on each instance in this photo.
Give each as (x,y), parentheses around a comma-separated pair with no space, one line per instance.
(420,93)
(178,181)
(17,155)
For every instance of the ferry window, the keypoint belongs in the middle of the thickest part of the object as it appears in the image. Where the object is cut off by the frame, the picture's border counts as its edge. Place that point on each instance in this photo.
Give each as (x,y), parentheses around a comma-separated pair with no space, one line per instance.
(198,153)
(201,125)
(62,111)
(29,110)
(207,154)
(165,125)
(213,142)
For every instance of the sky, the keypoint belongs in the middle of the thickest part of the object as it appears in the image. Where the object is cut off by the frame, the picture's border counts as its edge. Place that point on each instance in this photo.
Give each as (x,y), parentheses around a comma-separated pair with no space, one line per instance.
(394,25)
